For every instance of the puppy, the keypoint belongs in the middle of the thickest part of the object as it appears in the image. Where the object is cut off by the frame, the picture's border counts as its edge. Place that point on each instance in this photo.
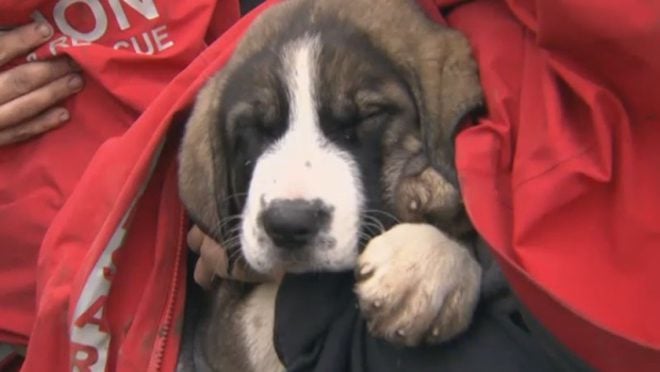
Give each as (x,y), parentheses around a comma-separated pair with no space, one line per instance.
(418,193)
(325,144)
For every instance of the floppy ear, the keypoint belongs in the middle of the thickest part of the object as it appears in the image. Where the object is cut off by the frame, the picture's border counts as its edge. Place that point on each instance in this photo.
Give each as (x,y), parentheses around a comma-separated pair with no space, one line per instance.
(203,184)
(448,91)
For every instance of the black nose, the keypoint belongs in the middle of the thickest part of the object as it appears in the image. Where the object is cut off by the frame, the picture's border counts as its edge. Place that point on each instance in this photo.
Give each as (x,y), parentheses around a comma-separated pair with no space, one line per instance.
(293,223)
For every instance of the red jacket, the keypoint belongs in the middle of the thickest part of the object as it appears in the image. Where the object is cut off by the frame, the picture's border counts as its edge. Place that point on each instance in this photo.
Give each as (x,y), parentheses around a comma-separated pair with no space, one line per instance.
(561,179)
(59,193)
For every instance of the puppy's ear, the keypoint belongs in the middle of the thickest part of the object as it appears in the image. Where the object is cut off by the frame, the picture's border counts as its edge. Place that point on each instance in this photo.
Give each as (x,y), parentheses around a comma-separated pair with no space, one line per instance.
(448,92)
(203,184)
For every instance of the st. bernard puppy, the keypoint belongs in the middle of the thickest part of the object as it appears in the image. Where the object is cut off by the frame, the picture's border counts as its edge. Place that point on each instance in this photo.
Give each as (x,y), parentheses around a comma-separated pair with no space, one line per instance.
(325,144)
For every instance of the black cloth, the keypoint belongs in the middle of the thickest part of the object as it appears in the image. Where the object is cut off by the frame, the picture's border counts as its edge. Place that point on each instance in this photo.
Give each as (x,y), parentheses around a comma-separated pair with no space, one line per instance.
(318,328)
(248,5)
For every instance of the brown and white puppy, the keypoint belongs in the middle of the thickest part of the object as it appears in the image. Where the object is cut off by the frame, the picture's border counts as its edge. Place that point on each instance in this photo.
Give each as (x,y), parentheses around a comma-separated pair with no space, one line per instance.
(330,117)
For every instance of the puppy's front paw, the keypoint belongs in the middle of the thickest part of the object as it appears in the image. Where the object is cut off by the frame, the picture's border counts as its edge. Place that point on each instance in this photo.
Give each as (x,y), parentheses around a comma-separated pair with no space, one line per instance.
(415,284)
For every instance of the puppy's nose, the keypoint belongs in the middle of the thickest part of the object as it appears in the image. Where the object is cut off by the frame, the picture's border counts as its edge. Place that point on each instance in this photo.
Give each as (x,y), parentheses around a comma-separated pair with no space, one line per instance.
(293,223)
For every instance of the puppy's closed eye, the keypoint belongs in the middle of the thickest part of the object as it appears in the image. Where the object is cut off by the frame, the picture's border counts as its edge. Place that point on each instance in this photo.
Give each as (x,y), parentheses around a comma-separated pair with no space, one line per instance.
(255,119)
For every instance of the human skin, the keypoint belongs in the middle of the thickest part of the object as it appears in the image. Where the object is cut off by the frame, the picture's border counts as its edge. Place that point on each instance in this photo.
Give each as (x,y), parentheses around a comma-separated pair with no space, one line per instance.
(31,93)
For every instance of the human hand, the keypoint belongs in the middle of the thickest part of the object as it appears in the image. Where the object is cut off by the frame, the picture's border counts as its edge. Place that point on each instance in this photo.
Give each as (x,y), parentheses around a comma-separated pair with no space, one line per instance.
(29,93)
(213,262)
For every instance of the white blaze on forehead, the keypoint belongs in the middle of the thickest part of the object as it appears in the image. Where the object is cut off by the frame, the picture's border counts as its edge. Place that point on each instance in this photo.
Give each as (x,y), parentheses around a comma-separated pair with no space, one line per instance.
(301,72)
(301,146)
(304,164)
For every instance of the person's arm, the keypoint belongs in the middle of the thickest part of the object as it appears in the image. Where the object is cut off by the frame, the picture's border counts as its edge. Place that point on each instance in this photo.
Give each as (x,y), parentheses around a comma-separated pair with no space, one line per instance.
(30,92)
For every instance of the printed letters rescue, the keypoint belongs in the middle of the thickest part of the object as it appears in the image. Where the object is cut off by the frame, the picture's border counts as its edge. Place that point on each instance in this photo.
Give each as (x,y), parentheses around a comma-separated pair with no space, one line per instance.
(109,13)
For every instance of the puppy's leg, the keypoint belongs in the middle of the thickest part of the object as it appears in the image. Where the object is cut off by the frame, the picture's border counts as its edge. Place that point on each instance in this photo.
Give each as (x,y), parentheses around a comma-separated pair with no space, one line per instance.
(415,284)
(235,332)
(257,320)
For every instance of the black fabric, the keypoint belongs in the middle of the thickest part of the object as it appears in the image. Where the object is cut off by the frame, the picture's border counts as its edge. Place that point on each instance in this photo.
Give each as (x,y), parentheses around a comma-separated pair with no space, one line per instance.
(191,313)
(248,5)
(318,328)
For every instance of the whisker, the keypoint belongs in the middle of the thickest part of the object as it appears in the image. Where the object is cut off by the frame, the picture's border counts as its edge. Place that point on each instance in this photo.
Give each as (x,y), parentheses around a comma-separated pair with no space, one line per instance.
(364,238)
(228,220)
(232,196)
(373,228)
(234,253)
(230,241)
(234,230)
(229,198)
(371,217)
(363,235)
(374,222)
(383,213)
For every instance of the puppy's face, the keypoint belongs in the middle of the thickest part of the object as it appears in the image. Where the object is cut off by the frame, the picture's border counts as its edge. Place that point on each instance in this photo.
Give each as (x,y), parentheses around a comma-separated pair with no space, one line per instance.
(306,143)
(288,151)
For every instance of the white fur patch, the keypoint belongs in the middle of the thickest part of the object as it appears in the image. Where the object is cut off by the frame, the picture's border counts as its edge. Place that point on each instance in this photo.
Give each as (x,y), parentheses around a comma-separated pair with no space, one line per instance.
(257,323)
(304,164)
(415,284)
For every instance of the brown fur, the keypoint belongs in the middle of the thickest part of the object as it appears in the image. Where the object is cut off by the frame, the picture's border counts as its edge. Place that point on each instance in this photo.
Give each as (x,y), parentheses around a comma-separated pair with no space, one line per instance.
(419,177)
(219,318)
(435,60)
(418,193)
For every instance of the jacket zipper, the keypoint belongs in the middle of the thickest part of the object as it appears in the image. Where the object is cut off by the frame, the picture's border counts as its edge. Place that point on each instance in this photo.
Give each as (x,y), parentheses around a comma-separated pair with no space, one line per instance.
(166,326)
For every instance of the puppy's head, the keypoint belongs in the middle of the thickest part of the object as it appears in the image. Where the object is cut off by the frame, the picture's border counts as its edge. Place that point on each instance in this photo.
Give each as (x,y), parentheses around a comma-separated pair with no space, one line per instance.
(285,150)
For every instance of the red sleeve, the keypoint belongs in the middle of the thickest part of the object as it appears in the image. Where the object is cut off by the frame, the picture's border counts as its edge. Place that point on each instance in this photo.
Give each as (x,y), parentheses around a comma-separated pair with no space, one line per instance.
(562,177)
(226,13)
(111,271)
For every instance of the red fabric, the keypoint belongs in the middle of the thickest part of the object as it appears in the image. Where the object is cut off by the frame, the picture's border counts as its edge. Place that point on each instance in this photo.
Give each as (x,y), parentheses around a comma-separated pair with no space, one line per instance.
(37,177)
(141,315)
(225,15)
(562,178)
(559,179)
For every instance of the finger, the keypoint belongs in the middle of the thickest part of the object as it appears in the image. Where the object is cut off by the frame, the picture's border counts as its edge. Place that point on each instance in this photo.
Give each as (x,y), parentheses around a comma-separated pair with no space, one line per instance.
(194,239)
(26,106)
(27,77)
(48,120)
(213,261)
(213,256)
(203,275)
(23,39)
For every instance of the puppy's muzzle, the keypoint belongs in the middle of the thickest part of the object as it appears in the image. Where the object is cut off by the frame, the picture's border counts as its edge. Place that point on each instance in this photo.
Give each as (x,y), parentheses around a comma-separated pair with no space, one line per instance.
(295,223)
